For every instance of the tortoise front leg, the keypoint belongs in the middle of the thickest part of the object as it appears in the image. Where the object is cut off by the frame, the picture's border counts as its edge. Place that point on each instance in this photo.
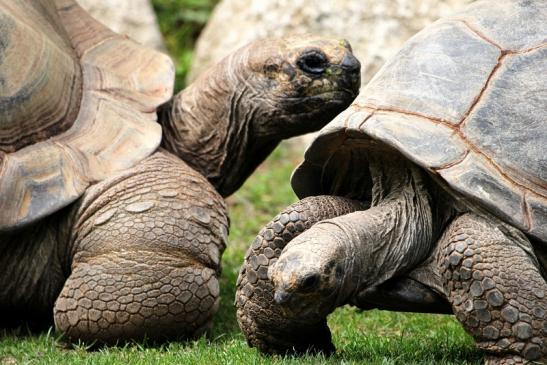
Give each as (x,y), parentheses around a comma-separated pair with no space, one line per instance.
(267,325)
(146,247)
(260,318)
(491,278)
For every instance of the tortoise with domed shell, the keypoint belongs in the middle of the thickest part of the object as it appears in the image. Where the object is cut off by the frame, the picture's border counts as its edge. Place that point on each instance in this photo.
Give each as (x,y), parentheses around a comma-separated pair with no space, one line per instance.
(428,194)
(112,224)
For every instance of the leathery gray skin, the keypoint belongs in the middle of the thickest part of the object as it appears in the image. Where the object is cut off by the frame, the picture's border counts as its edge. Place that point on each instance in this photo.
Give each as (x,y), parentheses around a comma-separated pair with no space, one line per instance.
(410,247)
(138,255)
(228,121)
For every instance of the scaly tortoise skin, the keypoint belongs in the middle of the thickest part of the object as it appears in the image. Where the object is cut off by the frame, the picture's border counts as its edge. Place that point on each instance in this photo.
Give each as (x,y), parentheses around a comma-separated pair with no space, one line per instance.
(445,151)
(115,223)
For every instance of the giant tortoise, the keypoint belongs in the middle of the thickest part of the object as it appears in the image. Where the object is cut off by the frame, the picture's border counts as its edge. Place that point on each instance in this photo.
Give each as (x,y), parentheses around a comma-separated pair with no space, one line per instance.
(106,227)
(428,194)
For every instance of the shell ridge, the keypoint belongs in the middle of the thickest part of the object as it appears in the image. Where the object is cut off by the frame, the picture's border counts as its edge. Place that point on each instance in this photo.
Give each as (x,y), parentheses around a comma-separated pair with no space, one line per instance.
(531,49)
(456,130)
(477,99)
(480,34)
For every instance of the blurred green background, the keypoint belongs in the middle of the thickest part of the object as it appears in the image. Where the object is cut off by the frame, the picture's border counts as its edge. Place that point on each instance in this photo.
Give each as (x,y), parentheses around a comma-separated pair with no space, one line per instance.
(181,21)
(373,337)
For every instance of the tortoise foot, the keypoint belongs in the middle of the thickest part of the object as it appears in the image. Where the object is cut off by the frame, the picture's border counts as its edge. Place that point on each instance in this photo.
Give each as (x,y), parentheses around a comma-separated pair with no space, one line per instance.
(114,299)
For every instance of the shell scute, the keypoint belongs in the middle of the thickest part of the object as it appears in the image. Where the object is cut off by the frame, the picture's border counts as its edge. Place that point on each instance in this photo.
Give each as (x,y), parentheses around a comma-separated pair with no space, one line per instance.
(464,99)
(90,110)
(437,74)
(475,178)
(512,26)
(508,123)
(427,143)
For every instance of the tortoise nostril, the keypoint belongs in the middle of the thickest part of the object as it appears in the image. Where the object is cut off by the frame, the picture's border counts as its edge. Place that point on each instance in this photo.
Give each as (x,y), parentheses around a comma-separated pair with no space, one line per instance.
(314,62)
(281,297)
(351,63)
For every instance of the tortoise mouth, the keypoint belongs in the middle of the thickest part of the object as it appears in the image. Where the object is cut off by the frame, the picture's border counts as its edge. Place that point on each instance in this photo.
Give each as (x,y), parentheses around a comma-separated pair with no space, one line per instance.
(325,104)
(344,95)
(341,94)
(339,86)
(343,86)
(313,305)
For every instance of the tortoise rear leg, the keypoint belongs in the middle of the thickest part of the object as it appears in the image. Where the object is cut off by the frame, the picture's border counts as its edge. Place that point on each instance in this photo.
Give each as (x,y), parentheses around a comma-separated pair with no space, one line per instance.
(492,279)
(146,247)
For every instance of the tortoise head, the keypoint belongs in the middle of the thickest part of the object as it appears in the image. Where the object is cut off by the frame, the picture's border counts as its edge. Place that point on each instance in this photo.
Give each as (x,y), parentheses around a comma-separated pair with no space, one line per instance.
(233,116)
(309,278)
(299,83)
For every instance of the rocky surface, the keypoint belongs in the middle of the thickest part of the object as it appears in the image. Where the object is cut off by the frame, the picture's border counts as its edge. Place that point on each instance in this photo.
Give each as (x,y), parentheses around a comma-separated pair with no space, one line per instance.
(376,29)
(135,18)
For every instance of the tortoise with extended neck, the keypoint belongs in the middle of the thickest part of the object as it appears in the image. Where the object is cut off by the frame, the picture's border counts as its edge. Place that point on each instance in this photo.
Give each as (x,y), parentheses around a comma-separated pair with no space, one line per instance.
(117,237)
(428,194)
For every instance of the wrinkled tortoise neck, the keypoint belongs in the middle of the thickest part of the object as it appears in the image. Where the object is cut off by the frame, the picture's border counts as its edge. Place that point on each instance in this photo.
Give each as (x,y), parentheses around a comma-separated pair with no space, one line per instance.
(210,124)
(409,212)
(394,235)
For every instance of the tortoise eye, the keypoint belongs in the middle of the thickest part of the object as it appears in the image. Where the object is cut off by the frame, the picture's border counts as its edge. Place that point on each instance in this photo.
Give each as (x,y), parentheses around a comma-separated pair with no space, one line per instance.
(310,282)
(313,62)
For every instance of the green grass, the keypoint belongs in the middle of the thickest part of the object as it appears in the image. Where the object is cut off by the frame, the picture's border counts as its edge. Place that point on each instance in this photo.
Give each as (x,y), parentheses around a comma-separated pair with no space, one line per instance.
(373,337)
(181,21)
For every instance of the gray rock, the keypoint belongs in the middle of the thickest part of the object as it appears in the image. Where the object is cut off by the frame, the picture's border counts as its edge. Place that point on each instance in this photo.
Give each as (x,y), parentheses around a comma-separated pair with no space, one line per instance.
(135,18)
(375,29)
